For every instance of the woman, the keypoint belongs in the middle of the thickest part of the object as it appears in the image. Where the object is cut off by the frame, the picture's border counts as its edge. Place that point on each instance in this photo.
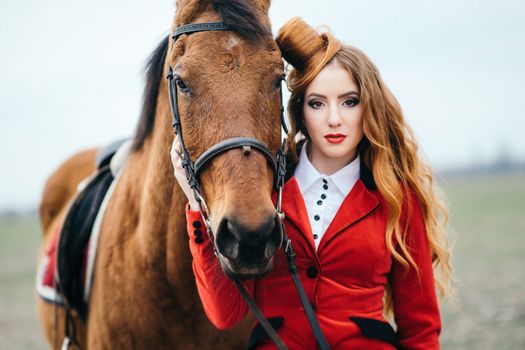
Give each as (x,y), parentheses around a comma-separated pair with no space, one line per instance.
(360,209)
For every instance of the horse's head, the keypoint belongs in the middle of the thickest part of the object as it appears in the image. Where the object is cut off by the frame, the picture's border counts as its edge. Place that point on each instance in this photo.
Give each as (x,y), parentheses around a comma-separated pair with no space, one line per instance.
(228,84)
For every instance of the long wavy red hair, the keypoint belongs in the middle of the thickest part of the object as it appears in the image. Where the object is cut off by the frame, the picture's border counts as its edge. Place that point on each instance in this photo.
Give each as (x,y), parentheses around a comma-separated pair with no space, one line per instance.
(388,148)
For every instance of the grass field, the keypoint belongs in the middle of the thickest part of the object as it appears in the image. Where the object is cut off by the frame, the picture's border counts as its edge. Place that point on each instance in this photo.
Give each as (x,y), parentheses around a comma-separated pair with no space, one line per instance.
(488,220)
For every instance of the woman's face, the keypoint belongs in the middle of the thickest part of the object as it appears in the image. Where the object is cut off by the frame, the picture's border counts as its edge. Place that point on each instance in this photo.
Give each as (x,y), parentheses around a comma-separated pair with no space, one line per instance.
(333,118)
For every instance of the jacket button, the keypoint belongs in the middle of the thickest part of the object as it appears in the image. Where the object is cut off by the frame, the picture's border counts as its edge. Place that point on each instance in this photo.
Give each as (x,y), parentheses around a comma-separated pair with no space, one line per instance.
(197,224)
(312,272)
(197,232)
(198,240)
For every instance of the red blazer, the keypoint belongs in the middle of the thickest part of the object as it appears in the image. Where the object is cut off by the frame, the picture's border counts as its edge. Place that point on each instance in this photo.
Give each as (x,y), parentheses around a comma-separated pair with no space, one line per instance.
(344,279)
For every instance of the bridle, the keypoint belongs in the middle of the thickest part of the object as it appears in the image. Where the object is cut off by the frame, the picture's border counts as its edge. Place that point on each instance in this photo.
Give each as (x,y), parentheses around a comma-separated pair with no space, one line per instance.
(278,166)
(194,169)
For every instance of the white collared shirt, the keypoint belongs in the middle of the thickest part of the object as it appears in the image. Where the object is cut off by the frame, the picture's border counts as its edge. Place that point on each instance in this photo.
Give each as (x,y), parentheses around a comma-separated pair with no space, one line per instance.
(323,194)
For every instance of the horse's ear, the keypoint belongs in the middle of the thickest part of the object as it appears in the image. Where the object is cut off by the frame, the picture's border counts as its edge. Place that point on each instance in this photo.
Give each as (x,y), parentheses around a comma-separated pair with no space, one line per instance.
(263,5)
(182,3)
(186,9)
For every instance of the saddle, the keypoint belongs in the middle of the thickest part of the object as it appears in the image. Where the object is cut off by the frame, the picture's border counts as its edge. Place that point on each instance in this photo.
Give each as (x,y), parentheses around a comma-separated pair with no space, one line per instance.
(76,231)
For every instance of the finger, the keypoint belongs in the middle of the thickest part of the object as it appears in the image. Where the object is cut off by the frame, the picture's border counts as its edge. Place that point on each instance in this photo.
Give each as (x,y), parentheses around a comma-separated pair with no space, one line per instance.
(180,155)
(176,144)
(175,155)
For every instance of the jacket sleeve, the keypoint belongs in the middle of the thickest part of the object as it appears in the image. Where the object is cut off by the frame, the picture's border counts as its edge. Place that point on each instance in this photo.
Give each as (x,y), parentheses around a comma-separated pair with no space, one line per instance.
(416,310)
(222,302)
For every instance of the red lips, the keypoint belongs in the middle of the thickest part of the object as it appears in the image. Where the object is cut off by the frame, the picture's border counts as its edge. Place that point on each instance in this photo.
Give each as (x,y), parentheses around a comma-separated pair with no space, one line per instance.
(335,138)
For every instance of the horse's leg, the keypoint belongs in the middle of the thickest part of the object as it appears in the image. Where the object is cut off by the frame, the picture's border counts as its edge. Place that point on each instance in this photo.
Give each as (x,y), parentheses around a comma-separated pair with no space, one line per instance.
(58,192)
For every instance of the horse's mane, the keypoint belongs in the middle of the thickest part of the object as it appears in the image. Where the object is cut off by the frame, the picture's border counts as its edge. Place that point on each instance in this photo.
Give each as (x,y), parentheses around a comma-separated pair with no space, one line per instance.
(240,15)
(154,69)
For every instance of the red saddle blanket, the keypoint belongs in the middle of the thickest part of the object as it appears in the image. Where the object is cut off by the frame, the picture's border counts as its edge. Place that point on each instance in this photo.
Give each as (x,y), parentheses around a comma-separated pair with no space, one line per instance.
(46,274)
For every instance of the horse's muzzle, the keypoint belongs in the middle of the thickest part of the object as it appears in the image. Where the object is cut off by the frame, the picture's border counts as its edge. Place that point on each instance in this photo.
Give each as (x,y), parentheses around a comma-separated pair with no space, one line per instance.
(247,253)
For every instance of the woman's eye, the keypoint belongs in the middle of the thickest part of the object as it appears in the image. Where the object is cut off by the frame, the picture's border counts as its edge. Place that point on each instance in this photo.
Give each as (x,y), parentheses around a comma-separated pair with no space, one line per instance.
(351,102)
(182,86)
(315,104)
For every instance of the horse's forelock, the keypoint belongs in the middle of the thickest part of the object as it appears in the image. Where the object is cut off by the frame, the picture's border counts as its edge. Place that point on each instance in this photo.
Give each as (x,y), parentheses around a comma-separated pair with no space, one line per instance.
(246,18)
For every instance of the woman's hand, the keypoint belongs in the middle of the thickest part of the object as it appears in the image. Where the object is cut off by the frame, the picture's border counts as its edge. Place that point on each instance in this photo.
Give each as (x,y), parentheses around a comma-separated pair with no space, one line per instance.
(180,174)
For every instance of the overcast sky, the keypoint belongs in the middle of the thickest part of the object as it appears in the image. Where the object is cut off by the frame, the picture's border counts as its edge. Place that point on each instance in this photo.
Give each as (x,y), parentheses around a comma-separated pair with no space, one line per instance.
(71,74)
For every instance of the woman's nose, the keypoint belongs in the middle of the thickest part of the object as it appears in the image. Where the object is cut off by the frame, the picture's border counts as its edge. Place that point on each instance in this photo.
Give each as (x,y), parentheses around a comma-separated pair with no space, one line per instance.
(334,119)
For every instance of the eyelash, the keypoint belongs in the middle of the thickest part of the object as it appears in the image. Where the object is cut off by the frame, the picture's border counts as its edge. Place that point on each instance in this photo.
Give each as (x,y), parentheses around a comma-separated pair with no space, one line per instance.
(351,102)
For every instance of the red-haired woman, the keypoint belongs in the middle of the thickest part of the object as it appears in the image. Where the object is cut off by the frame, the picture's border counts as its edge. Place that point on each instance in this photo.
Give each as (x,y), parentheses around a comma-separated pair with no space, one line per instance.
(360,210)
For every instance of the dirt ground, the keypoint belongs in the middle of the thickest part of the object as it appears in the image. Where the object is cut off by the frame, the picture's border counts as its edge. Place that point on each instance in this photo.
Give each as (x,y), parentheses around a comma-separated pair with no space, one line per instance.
(487,216)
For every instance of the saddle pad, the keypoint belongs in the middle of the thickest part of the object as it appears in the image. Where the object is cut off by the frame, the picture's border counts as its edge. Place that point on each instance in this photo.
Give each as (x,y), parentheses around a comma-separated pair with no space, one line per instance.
(74,237)
(65,272)
(45,276)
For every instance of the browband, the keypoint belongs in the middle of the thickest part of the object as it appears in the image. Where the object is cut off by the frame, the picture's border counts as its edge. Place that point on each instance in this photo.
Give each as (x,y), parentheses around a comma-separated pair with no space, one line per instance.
(199,27)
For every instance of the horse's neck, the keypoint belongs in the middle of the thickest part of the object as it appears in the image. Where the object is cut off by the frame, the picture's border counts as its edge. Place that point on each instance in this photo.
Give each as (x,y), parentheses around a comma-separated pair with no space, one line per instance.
(158,208)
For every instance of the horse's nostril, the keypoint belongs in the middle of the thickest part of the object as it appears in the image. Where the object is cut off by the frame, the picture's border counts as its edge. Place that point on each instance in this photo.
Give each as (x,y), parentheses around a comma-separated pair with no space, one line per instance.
(233,229)
(226,240)
(249,247)
(275,239)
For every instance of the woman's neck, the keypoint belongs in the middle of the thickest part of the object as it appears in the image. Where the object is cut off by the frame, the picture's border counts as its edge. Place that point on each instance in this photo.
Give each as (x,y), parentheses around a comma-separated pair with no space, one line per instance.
(326,165)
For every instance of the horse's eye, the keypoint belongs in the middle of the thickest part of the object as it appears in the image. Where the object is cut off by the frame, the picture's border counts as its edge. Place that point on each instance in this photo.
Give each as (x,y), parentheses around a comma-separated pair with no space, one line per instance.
(279,81)
(181,85)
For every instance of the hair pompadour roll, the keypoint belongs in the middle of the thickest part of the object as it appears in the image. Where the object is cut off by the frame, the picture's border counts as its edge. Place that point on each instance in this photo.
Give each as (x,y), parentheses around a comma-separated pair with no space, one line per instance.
(307,50)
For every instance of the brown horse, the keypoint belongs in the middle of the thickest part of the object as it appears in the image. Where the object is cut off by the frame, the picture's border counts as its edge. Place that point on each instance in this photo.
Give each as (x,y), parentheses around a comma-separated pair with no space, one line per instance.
(143,294)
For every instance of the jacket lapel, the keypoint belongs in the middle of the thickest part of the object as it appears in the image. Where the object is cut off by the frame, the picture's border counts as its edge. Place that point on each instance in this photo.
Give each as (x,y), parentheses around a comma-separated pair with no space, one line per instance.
(356,205)
(295,210)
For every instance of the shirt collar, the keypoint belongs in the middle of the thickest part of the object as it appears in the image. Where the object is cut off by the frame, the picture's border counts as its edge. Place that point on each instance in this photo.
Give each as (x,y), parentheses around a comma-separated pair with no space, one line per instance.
(305,173)
(344,179)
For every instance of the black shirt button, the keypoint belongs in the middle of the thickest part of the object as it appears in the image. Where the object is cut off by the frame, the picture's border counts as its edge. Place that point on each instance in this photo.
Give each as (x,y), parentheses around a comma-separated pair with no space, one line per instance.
(325,181)
(197,233)
(197,224)
(316,217)
(312,272)
(323,196)
(319,202)
(316,236)
(325,186)
(198,240)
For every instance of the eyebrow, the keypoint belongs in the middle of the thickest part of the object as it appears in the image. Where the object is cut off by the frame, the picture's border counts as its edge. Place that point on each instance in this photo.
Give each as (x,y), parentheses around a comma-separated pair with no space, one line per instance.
(349,93)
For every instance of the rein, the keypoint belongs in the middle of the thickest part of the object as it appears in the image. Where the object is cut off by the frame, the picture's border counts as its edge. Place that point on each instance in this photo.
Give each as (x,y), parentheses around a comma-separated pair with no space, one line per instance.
(278,165)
